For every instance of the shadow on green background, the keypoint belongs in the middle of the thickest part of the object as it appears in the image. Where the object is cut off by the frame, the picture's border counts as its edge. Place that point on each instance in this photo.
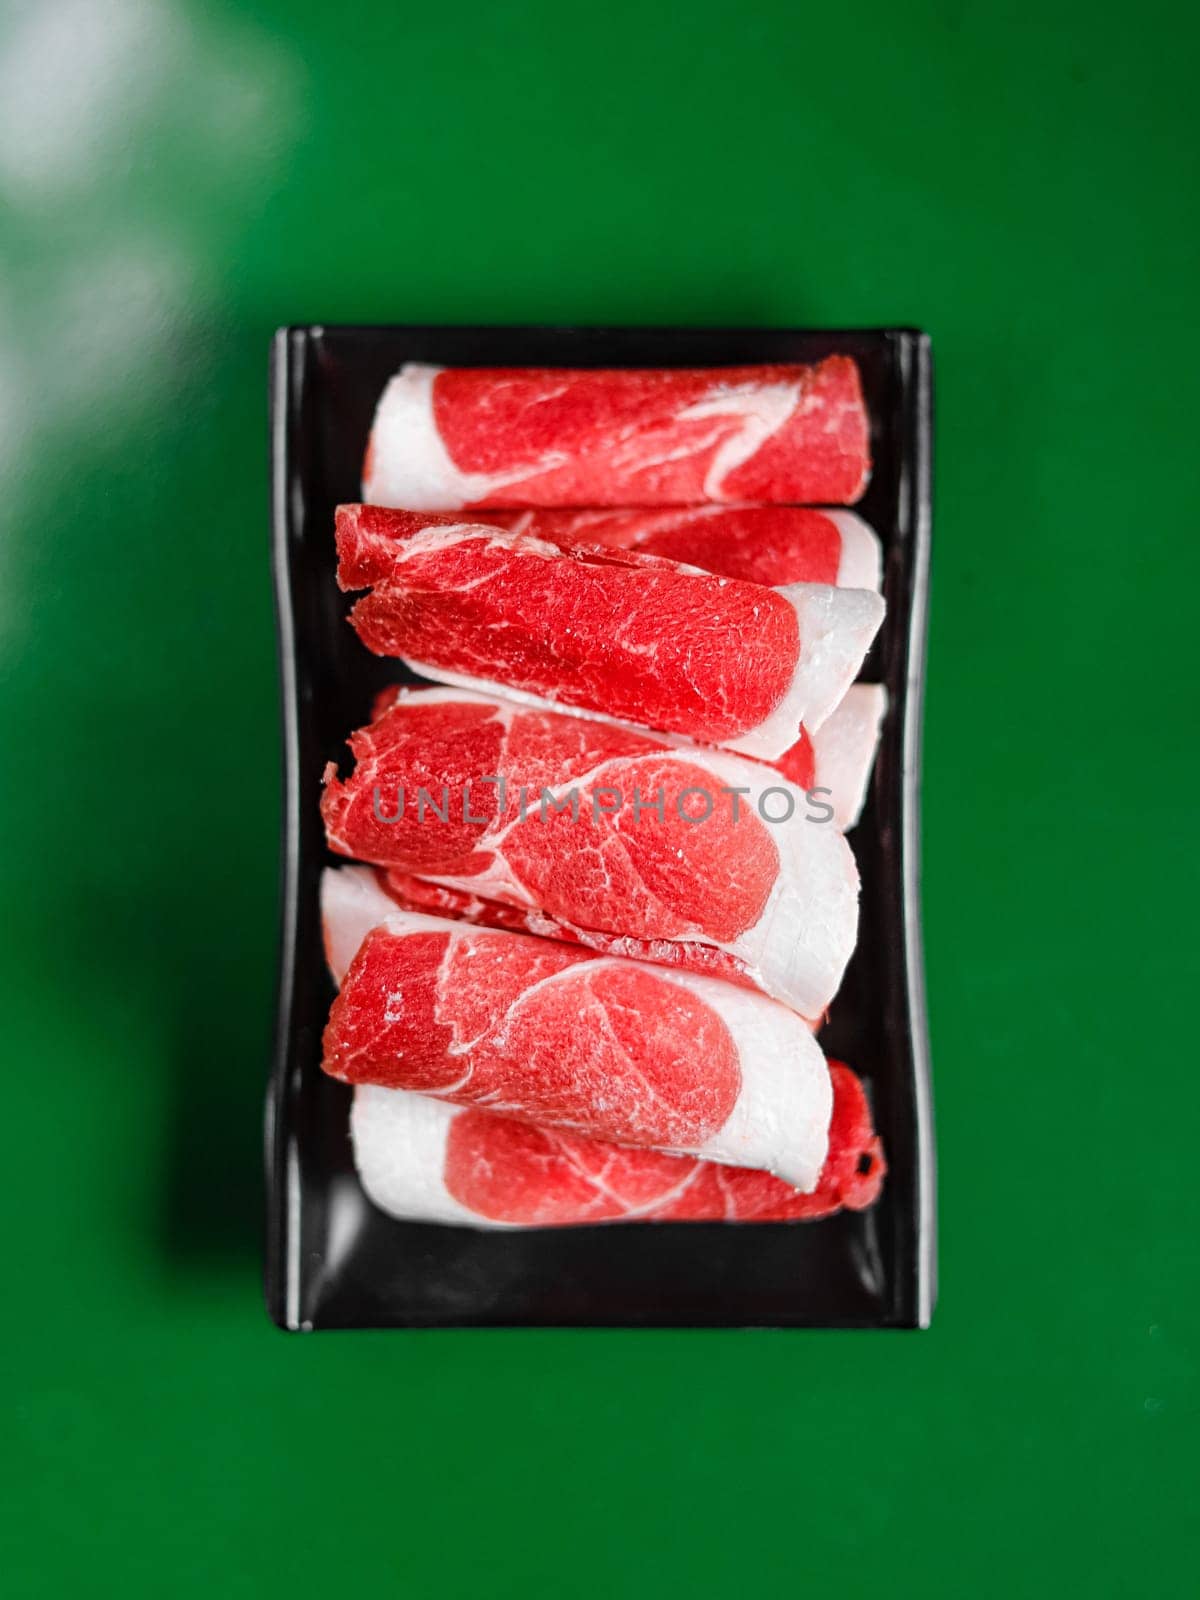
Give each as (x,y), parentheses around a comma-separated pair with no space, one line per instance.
(179,178)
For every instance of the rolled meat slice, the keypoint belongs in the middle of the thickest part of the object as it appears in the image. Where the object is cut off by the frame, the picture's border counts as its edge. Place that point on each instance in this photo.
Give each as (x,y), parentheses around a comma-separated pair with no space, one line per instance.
(772,545)
(424,1160)
(635,638)
(835,762)
(617,840)
(833,765)
(602,1047)
(423,894)
(449,438)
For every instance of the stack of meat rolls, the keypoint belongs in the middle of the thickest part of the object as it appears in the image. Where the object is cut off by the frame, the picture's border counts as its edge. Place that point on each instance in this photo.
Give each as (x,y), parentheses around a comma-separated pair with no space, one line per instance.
(605,897)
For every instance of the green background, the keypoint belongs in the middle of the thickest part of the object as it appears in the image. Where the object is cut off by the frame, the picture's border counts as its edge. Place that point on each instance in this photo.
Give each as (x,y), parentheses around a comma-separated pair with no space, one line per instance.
(179,178)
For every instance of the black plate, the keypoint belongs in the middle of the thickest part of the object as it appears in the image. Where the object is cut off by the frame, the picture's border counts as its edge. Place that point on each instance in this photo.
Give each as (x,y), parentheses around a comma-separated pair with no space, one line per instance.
(333,1260)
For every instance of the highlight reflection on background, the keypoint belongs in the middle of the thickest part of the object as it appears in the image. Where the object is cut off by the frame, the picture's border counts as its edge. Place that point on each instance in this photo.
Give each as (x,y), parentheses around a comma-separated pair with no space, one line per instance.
(139,142)
(137,138)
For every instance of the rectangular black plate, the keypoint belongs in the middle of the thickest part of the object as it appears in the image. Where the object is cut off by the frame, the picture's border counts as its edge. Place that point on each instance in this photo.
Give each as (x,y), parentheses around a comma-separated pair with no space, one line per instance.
(333,1261)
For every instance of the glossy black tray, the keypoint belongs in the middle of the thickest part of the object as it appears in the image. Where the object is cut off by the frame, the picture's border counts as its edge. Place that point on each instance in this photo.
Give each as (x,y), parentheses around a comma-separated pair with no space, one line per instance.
(332,1259)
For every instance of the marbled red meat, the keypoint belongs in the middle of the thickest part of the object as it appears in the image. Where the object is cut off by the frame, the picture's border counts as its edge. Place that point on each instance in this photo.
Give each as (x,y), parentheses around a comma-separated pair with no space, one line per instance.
(636,638)
(449,438)
(551,1034)
(426,1161)
(835,762)
(426,894)
(772,545)
(616,838)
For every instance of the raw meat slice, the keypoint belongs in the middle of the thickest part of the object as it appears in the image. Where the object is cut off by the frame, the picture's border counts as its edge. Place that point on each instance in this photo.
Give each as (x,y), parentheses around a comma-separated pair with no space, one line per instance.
(606,832)
(448,438)
(772,545)
(552,1034)
(423,1160)
(836,761)
(634,638)
(760,544)
(422,894)
(834,764)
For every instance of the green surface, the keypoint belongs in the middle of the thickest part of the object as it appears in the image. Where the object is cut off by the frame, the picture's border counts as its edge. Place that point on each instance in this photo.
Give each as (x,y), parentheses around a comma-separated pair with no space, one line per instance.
(175,180)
